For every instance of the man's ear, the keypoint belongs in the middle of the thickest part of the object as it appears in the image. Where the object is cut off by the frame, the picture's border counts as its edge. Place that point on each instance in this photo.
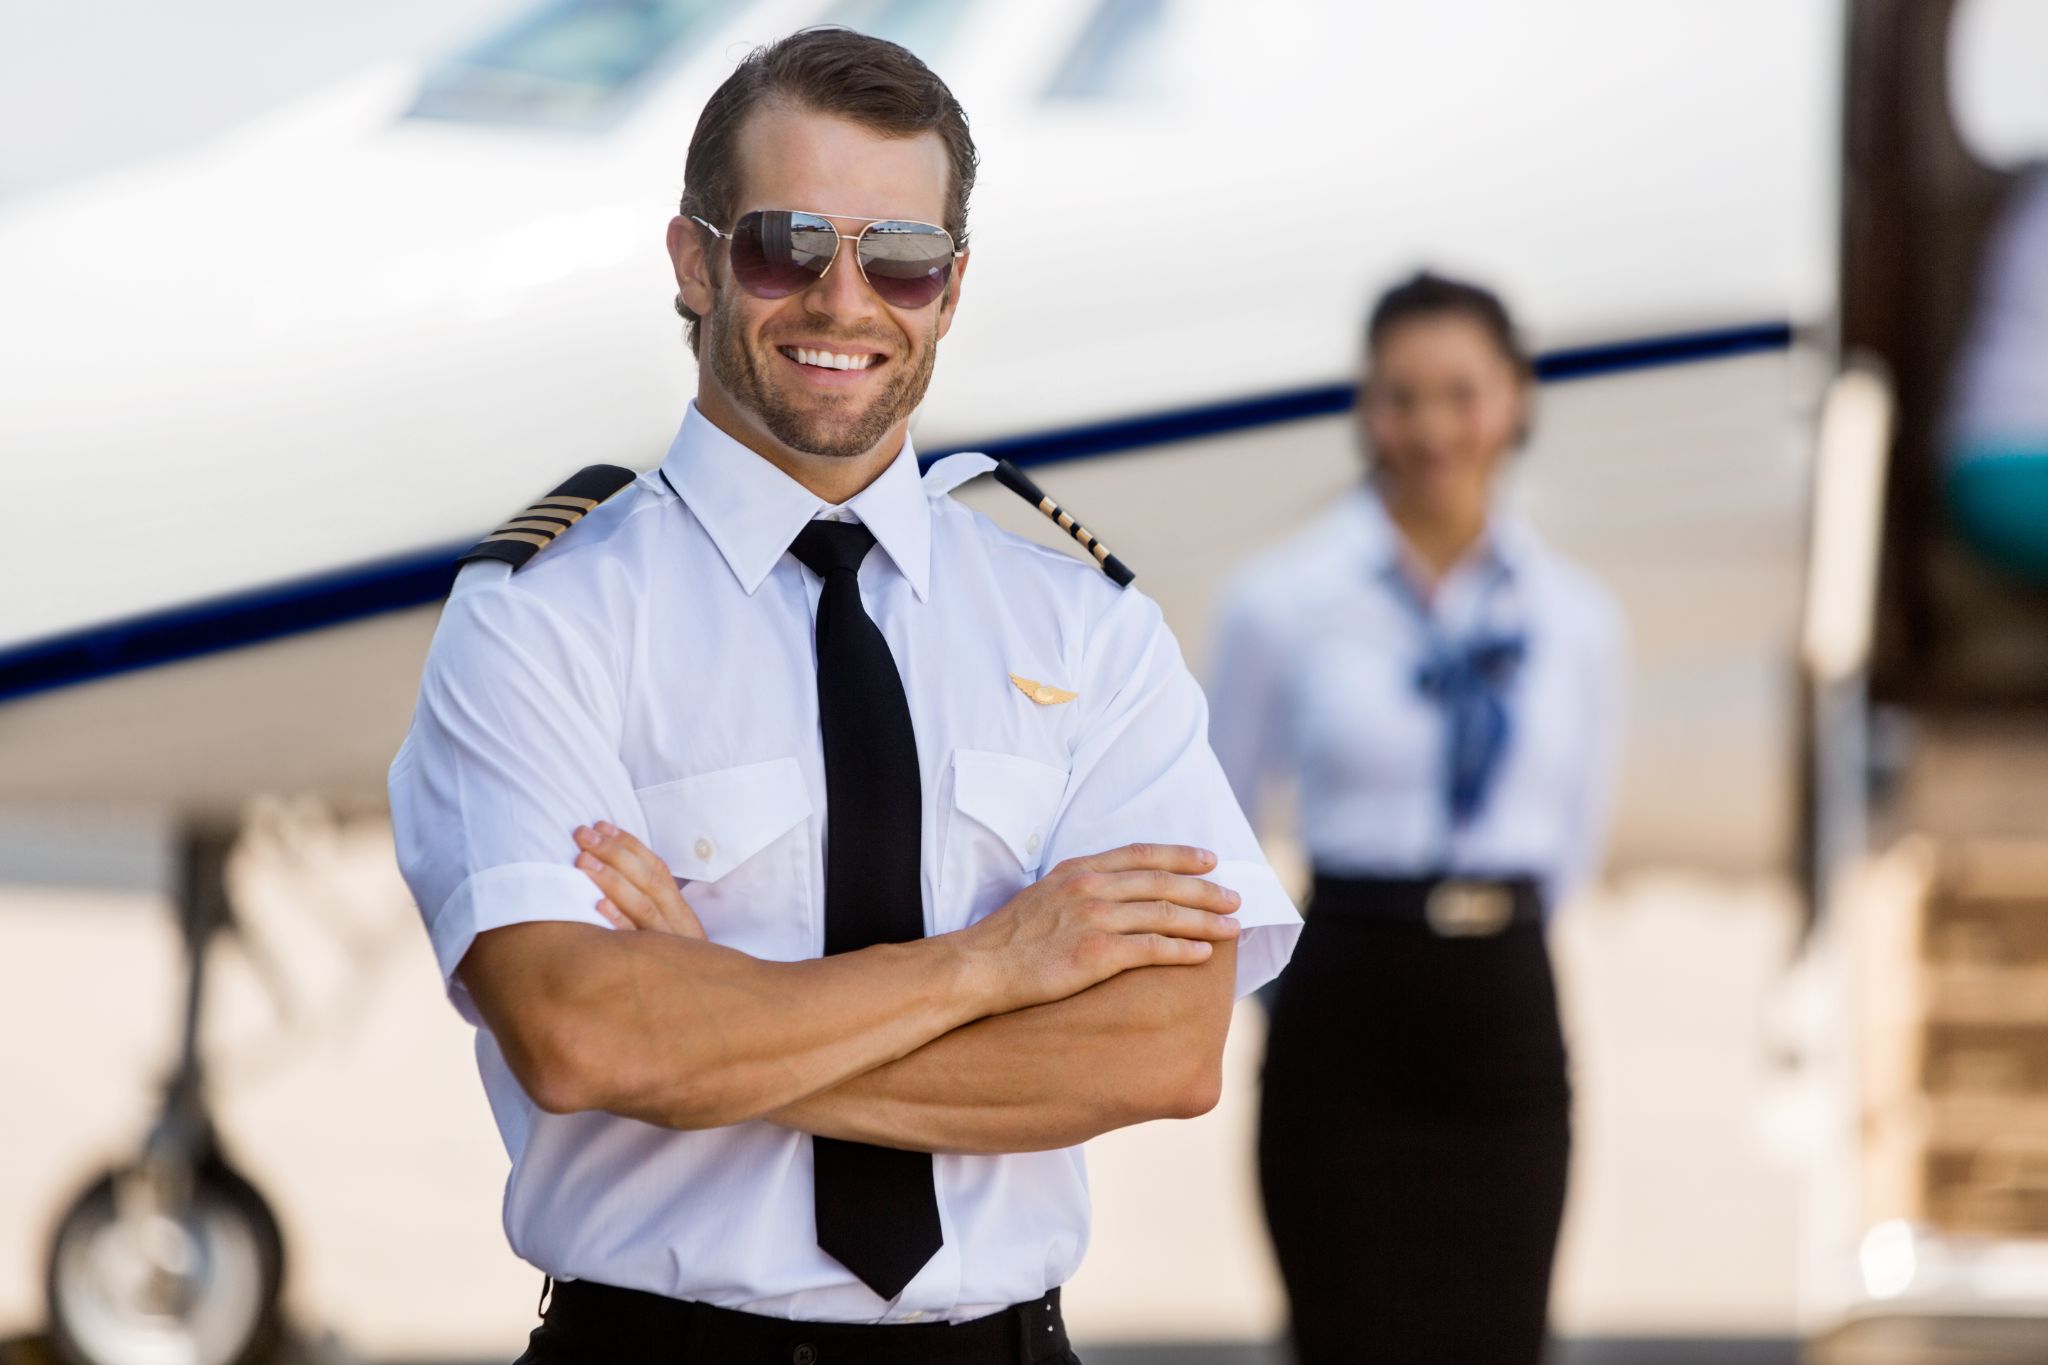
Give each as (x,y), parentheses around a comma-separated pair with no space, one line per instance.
(951,302)
(692,265)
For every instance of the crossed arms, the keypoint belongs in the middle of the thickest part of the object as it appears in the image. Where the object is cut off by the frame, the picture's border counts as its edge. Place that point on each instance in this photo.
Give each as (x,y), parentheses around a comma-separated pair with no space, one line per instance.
(1097,997)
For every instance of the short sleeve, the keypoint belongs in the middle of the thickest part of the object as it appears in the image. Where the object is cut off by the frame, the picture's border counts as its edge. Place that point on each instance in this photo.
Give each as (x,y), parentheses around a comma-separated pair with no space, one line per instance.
(1144,772)
(514,743)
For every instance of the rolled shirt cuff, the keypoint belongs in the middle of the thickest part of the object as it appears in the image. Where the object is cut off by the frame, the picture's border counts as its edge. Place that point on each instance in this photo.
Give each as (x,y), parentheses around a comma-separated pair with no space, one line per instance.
(514,893)
(1268,916)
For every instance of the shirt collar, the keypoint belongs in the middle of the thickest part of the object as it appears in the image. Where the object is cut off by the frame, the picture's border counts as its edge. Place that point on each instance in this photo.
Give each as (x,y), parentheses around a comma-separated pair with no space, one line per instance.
(1507,543)
(752,510)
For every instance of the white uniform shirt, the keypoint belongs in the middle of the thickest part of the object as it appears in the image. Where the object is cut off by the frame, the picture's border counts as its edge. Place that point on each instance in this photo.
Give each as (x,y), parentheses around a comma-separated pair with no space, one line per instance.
(656,667)
(1314,684)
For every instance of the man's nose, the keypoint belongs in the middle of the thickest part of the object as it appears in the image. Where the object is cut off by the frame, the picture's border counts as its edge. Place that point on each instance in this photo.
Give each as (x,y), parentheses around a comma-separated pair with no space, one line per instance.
(843,293)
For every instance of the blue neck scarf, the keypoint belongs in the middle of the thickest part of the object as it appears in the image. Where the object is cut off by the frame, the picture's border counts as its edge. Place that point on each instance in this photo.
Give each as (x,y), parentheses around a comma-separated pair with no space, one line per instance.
(1469,681)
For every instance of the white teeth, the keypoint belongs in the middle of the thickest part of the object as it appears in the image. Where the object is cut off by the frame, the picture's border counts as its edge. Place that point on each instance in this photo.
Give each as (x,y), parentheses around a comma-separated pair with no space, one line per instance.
(828,360)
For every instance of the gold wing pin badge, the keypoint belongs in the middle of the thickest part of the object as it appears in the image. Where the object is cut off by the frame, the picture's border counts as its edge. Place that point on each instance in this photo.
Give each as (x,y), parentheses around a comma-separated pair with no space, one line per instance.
(1042,693)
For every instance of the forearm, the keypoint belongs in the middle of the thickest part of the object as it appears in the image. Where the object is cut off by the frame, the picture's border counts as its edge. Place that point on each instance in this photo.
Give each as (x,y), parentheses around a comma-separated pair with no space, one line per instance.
(687,1034)
(1144,1045)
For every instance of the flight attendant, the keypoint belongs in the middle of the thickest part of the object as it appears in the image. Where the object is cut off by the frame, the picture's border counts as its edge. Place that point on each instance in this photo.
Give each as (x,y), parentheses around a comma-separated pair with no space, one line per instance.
(1444,694)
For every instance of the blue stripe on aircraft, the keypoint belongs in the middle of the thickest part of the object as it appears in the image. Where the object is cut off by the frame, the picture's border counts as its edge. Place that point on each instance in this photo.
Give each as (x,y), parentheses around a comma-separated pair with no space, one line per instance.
(224,623)
(362,590)
(1323,400)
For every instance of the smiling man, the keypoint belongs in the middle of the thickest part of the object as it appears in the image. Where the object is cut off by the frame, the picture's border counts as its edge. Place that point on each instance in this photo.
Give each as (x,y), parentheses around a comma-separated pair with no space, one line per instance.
(821,865)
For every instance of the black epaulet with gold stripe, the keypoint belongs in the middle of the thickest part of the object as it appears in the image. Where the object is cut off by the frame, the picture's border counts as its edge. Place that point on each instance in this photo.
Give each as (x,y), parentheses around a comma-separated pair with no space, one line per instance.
(534,529)
(1012,478)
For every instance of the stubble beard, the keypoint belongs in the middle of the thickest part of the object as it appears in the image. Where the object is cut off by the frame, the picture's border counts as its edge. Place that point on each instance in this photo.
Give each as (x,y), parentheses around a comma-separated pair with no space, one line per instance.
(831,426)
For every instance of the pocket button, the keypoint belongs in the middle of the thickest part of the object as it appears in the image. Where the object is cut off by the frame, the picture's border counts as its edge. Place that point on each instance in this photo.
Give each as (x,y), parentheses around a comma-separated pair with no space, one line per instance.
(704,850)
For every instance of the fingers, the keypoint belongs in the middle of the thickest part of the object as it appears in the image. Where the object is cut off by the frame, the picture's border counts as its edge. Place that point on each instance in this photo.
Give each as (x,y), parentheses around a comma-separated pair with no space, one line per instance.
(1168,952)
(1181,858)
(622,899)
(640,892)
(1163,919)
(627,855)
(1161,950)
(1192,892)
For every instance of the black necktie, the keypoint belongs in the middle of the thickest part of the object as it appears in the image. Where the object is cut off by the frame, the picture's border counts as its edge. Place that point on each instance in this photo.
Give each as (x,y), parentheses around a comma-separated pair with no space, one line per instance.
(878,1214)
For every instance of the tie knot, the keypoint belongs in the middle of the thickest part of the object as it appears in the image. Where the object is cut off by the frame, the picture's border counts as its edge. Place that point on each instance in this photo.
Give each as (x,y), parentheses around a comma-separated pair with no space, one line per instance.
(829,547)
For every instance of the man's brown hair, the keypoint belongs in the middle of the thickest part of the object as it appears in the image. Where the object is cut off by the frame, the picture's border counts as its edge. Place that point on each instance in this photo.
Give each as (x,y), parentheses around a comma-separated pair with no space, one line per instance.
(869,81)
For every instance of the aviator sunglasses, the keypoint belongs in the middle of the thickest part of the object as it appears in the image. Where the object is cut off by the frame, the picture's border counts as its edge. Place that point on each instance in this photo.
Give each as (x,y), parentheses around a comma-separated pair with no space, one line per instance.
(777,252)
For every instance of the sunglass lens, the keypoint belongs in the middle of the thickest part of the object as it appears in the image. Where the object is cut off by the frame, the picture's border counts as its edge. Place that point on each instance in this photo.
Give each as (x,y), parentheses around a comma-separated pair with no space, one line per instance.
(908,264)
(775,252)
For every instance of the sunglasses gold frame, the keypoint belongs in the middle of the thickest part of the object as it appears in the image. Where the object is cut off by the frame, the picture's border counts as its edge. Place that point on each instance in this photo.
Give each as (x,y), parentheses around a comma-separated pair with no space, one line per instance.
(939,228)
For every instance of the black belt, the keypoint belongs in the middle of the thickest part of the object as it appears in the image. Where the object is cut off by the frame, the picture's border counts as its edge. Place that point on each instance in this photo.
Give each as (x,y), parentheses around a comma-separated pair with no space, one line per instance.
(632,1327)
(1451,907)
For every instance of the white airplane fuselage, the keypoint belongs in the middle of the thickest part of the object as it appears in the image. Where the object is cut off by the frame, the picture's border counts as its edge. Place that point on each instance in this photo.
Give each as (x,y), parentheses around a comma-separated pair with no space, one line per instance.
(345,335)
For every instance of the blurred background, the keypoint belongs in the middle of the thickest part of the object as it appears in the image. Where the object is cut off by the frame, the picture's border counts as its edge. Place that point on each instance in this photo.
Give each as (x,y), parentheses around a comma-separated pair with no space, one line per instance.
(297,300)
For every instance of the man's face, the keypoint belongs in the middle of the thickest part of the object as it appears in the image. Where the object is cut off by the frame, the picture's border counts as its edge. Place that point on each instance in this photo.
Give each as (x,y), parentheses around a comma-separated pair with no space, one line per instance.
(791,158)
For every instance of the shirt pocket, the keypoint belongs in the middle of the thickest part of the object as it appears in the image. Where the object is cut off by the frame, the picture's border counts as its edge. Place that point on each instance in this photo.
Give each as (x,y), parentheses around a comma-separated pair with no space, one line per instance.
(1001,819)
(739,843)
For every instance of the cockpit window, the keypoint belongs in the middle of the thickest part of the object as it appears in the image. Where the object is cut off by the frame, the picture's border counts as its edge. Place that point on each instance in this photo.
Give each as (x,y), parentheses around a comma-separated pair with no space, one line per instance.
(568,63)
(926,27)
(1119,55)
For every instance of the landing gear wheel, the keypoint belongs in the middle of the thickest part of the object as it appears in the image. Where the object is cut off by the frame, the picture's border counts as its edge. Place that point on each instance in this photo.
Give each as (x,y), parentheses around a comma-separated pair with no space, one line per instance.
(129,1285)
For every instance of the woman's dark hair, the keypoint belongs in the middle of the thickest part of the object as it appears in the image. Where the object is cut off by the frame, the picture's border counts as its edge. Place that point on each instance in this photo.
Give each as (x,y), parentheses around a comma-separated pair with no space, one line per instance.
(1428,295)
(869,81)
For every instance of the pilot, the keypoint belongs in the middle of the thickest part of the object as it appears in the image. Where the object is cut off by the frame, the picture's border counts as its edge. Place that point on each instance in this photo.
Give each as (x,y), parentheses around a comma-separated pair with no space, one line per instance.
(1443,695)
(821,865)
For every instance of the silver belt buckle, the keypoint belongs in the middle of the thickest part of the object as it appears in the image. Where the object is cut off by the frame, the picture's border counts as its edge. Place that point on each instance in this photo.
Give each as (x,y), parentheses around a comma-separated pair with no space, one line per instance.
(1469,909)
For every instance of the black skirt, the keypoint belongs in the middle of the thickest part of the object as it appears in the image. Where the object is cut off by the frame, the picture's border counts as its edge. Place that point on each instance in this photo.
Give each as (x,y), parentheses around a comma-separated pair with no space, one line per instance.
(1414,1133)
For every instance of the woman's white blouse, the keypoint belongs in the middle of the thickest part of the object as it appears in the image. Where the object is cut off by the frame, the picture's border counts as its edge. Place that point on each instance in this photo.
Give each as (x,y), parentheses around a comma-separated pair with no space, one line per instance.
(1314,685)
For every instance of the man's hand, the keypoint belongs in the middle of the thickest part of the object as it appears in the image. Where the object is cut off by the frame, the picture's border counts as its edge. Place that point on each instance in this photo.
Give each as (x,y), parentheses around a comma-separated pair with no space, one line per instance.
(639,890)
(1085,921)
(1091,918)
